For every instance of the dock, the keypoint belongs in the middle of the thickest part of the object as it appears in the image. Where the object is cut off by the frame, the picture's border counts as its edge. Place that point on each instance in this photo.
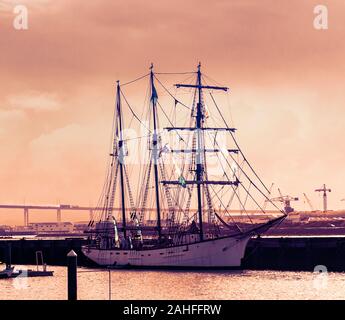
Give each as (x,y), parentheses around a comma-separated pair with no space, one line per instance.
(11,272)
(299,253)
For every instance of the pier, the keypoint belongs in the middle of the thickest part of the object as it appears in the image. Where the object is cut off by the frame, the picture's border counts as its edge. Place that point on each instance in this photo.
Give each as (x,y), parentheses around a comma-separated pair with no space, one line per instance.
(266,253)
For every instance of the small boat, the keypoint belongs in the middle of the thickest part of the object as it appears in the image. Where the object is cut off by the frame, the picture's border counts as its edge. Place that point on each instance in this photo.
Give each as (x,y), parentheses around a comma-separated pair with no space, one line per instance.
(7,272)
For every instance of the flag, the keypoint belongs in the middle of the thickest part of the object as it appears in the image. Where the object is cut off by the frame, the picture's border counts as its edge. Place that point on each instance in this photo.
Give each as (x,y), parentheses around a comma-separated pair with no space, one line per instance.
(154,96)
(182,181)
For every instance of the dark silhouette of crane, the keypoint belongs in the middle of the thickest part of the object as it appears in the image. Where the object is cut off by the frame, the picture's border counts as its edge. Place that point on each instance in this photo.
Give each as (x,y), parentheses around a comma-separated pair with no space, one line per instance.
(324,190)
(286,200)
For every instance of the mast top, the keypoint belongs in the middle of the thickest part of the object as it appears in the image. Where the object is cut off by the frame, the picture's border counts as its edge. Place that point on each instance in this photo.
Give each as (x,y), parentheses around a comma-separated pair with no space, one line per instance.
(151,67)
(199,85)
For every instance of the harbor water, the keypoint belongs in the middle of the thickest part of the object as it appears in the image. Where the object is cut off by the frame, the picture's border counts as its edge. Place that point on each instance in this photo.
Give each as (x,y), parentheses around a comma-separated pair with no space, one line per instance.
(178,285)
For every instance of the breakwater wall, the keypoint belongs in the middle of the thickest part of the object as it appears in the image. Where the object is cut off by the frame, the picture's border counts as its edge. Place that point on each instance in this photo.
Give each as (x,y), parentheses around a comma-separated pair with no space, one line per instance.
(268,253)
(54,251)
(295,253)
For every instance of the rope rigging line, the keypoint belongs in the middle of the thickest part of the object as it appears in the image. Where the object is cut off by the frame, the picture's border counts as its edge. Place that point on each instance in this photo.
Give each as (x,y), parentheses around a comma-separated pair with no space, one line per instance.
(238,147)
(190,72)
(135,80)
(112,183)
(176,202)
(175,99)
(101,200)
(132,111)
(246,199)
(237,177)
(166,116)
(248,180)
(130,195)
(235,189)
(216,82)
(136,138)
(232,197)
(245,159)
(226,210)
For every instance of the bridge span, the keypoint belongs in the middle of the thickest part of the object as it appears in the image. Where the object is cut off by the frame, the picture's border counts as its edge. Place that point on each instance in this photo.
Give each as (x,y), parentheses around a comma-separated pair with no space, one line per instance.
(66,207)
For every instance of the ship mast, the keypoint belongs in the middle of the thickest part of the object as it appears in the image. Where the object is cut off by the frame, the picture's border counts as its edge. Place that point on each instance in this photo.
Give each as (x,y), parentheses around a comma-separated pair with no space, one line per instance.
(200,150)
(121,157)
(155,150)
(199,166)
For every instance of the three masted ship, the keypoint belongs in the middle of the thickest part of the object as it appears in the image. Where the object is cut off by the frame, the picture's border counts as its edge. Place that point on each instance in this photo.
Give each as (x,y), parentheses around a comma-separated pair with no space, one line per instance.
(183,214)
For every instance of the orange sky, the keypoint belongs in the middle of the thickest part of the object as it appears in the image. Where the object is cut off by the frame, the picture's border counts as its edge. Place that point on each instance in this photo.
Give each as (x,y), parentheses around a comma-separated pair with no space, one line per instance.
(57,88)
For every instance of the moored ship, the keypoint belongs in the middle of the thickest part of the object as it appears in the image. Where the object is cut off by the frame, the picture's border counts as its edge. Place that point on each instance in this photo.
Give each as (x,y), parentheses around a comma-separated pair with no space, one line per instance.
(175,178)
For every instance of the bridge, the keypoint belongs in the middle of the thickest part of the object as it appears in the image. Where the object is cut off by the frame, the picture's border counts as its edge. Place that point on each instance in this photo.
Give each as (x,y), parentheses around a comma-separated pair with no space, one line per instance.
(58,208)
(91,210)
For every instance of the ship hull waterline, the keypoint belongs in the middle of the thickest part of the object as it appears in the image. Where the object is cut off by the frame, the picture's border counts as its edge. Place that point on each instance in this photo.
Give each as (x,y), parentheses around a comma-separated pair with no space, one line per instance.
(224,253)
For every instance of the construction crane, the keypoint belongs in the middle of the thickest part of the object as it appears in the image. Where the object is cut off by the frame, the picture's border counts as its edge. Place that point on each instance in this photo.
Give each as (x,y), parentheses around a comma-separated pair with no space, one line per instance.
(324,190)
(309,202)
(286,200)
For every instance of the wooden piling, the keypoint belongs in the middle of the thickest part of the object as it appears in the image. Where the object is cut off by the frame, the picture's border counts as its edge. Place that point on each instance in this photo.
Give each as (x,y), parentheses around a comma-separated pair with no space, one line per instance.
(72,275)
(9,255)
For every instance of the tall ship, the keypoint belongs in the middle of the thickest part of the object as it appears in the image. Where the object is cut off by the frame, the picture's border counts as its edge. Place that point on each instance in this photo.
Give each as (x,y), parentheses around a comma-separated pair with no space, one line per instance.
(181,194)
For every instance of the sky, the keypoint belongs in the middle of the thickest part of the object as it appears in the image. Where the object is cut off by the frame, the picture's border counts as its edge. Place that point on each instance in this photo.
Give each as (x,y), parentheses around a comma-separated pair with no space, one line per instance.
(57,88)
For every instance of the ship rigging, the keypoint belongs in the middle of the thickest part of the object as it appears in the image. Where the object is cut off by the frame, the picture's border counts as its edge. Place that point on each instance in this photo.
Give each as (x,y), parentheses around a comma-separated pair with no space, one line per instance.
(176,176)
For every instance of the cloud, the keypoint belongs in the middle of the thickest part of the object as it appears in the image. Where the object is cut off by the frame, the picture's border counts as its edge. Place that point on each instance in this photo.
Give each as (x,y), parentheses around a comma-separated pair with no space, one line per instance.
(8,118)
(286,79)
(71,151)
(67,163)
(34,101)
(10,115)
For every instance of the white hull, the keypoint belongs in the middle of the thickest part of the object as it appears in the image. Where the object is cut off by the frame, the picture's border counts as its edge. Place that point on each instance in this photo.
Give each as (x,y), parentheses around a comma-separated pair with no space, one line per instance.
(217,253)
